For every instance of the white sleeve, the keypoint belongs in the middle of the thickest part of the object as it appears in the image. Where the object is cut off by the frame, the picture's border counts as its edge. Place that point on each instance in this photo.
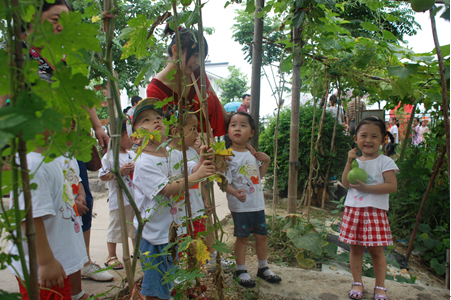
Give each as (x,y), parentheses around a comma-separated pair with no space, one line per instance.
(389,165)
(106,166)
(150,179)
(41,197)
(231,171)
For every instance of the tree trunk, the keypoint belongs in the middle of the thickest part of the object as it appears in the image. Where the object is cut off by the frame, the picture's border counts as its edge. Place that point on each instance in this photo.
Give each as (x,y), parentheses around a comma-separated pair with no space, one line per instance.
(420,212)
(256,71)
(445,105)
(294,128)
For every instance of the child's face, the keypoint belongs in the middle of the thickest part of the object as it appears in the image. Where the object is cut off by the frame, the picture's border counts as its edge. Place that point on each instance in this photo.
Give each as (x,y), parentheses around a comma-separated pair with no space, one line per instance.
(240,130)
(369,138)
(126,142)
(191,131)
(415,122)
(151,120)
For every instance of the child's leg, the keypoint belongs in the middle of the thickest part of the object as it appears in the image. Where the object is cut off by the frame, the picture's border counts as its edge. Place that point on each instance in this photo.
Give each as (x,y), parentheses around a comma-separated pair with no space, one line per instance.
(380,267)
(261,246)
(111,249)
(75,282)
(240,250)
(355,260)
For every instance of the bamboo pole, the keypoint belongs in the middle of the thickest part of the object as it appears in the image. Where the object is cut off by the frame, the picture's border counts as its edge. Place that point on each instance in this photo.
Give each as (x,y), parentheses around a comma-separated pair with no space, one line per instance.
(204,105)
(407,137)
(115,141)
(420,212)
(32,283)
(447,270)
(445,104)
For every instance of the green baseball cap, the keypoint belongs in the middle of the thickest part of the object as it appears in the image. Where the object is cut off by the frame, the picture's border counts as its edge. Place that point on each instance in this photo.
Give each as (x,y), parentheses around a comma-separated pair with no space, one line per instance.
(146,104)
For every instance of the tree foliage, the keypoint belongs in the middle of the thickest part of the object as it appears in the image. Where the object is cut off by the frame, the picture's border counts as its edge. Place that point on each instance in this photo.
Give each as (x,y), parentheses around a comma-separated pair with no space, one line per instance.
(233,86)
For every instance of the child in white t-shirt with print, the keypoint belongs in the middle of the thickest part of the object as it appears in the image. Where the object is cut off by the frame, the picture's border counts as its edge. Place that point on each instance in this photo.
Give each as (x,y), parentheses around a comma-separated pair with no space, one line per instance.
(246,200)
(197,200)
(365,222)
(127,167)
(153,195)
(60,248)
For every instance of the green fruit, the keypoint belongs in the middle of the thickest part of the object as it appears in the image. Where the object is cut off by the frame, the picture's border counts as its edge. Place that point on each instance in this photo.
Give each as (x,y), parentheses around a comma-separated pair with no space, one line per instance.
(354,164)
(356,92)
(357,174)
(186,2)
(422,5)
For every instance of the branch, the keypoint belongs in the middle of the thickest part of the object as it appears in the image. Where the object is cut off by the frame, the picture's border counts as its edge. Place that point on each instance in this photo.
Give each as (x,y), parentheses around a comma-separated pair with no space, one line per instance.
(159,20)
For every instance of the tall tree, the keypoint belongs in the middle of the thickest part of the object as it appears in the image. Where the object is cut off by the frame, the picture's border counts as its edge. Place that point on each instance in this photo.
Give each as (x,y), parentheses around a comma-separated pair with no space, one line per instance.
(233,86)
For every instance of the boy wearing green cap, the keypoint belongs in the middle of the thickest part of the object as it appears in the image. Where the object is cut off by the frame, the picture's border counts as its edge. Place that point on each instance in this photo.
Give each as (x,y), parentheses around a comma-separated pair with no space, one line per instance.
(153,195)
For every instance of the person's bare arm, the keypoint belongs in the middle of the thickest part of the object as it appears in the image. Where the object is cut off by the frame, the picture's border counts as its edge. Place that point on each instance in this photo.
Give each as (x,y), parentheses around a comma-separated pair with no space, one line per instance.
(352,154)
(80,201)
(51,272)
(101,135)
(261,156)
(178,186)
(239,194)
(389,186)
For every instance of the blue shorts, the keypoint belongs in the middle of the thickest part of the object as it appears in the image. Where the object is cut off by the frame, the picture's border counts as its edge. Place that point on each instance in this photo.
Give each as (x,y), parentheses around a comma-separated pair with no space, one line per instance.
(87,217)
(151,284)
(249,222)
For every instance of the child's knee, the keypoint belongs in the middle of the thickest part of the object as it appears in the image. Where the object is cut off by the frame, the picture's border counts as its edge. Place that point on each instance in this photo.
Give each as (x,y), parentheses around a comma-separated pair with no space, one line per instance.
(242,241)
(376,252)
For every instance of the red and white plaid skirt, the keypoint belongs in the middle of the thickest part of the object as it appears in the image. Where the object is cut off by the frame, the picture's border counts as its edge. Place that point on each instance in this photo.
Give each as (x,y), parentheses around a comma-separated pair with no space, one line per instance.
(365,226)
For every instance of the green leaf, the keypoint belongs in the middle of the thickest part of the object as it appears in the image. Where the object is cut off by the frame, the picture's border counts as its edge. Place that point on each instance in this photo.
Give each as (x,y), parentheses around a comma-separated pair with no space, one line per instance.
(400,278)
(221,247)
(298,18)
(311,241)
(389,36)
(402,87)
(305,263)
(369,273)
(374,4)
(369,26)
(402,71)
(440,268)
(424,228)
(445,50)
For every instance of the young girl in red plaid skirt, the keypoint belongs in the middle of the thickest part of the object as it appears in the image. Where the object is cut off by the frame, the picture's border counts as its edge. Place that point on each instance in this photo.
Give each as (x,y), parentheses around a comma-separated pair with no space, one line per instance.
(365,222)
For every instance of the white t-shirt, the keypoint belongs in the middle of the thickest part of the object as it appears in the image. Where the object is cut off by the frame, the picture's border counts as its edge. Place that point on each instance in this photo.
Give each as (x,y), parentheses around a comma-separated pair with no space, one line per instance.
(375,169)
(195,192)
(423,130)
(333,112)
(152,174)
(62,226)
(107,166)
(244,174)
(393,130)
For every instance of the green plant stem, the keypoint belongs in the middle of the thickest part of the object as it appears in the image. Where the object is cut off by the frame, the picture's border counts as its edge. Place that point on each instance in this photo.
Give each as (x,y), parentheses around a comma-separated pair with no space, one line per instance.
(407,137)
(444,86)
(420,212)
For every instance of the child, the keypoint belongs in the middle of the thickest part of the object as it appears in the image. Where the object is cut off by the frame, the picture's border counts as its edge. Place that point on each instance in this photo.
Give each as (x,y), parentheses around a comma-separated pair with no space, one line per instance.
(127,167)
(365,222)
(153,196)
(198,204)
(60,248)
(245,198)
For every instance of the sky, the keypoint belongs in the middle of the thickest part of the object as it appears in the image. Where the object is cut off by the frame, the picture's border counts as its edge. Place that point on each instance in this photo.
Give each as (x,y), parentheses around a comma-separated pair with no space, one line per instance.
(222,47)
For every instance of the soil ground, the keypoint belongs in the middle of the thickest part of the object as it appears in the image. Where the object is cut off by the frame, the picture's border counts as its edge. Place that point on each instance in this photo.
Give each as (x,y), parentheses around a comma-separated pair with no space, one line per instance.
(331,282)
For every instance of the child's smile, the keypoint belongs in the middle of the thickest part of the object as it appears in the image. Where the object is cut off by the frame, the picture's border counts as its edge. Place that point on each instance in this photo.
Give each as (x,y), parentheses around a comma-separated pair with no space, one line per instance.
(369,139)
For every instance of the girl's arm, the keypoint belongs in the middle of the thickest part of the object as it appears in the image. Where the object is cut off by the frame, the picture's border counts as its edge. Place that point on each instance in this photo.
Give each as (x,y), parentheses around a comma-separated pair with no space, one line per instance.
(125,169)
(352,154)
(239,194)
(224,113)
(176,187)
(389,186)
(260,156)
(51,272)
(80,201)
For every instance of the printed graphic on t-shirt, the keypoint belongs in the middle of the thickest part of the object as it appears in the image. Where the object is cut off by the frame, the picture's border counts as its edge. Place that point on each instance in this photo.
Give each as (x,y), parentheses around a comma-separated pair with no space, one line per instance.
(372,181)
(71,186)
(249,176)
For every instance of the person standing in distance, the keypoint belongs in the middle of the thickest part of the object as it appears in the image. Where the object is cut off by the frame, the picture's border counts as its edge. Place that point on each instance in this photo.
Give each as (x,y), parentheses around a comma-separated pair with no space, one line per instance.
(246,103)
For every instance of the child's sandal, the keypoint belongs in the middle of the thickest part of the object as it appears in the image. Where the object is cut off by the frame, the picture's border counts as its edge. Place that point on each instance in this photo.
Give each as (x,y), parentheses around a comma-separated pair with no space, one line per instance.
(353,294)
(380,297)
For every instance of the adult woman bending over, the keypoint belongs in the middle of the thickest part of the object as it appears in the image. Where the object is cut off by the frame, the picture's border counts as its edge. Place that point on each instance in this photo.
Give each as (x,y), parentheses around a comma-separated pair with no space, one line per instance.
(163,86)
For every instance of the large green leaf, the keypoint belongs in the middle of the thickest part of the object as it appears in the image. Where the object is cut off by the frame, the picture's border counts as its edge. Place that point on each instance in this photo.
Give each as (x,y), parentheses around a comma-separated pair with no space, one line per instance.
(311,241)
(440,268)
(305,263)
(369,26)
(402,87)
(402,71)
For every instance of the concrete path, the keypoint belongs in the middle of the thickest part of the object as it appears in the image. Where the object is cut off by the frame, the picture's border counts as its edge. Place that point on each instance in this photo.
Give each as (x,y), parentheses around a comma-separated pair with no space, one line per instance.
(98,243)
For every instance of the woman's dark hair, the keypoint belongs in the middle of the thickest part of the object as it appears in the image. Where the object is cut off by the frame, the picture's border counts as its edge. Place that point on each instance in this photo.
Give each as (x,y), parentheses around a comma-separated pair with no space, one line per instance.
(126,109)
(123,126)
(135,100)
(248,116)
(375,121)
(46,5)
(333,99)
(189,41)
(418,119)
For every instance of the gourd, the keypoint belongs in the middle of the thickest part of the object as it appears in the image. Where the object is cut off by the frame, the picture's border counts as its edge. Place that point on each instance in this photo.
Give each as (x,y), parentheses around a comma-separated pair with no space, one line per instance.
(356,173)
(422,5)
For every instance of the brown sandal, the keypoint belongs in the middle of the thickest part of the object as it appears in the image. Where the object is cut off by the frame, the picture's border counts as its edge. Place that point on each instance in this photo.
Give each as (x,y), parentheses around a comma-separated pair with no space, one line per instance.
(114,261)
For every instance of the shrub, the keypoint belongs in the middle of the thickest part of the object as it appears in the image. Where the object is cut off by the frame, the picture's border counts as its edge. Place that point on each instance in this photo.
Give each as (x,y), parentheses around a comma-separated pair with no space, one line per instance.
(338,159)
